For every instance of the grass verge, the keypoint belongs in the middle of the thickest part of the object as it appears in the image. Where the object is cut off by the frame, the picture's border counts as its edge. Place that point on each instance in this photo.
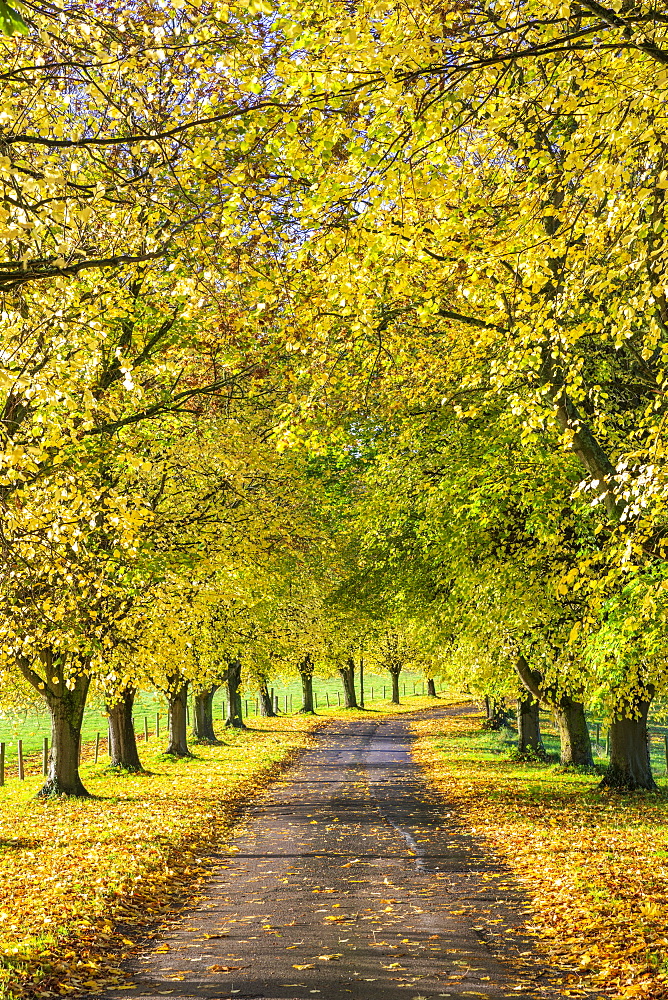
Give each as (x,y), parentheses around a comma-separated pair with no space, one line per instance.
(82,880)
(593,865)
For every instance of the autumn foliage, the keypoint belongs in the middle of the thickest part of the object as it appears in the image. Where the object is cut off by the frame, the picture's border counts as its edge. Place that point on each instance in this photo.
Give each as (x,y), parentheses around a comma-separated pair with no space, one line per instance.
(335,336)
(592,868)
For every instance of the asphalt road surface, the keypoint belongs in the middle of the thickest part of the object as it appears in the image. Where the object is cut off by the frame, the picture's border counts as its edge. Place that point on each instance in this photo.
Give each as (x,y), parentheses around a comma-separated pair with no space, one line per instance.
(347,884)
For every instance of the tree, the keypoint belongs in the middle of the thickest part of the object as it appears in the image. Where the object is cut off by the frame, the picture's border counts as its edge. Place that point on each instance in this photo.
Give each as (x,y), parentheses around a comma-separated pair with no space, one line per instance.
(462,246)
(177,715)
(569,715)
(305,668)
(63,682)
(630,768)
(528,725)
(108,163)
(122,740)
(347,671)
(392,656)
(234,713)
(266,701)
(203,731)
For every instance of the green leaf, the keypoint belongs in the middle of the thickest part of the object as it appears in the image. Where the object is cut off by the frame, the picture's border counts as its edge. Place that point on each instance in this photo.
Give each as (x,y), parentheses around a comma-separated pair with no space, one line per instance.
(11,22)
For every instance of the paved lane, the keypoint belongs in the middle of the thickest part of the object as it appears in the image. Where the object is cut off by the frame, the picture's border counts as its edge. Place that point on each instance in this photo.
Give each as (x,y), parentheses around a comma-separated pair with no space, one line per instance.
(347,885)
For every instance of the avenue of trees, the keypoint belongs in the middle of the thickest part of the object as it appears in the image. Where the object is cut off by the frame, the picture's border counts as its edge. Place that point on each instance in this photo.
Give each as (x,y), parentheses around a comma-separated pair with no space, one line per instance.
(335,331)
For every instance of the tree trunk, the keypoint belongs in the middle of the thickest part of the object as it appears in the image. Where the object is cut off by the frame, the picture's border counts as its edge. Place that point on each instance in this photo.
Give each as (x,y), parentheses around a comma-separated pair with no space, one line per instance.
(347,672)
(66,707)
(203,731)
(496,714)
(569,716)
(630,768)
(573,733)
(431,687)
(123,750)
(361,681)
(234,716)
(305,668)
(66,718)
(266,706)
(394,674)
(528,725)
(178,721)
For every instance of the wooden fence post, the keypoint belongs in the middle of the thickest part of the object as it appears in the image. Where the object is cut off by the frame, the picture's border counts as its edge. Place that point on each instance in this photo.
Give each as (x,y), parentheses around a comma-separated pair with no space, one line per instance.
(20,751)
(97,746)
(327,697)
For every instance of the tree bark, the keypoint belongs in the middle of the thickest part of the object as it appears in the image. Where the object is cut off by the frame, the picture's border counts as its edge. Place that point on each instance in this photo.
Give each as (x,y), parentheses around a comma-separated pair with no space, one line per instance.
(66,707)
(347,672)
(431,687)
(234,716)
(575,742)
(573,733)
(496,714)
(395,670)
(178,719)
(305,668)
(203,731)
(528,725)
(123,750)
(266,706)
(630,769)
(361,681)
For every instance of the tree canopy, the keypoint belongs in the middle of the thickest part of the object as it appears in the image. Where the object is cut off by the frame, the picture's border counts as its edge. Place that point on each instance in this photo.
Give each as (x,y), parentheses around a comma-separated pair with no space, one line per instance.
(329,328)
